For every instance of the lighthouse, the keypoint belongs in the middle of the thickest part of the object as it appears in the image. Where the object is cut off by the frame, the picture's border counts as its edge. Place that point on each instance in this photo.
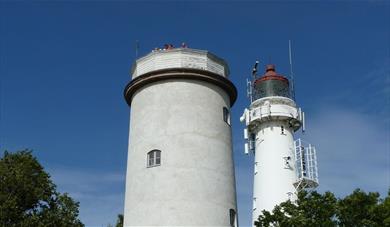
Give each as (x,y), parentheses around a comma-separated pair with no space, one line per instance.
(283,165)
(180,168)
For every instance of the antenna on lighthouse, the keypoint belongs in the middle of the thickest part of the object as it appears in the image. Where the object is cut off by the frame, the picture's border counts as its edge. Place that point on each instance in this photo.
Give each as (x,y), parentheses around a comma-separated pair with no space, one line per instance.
(290,57)
(249,90)
(291,69)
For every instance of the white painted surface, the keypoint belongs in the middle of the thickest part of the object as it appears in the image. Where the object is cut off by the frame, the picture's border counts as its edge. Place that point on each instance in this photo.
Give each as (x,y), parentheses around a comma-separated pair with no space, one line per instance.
(274,167)
(273,182)
(195,183)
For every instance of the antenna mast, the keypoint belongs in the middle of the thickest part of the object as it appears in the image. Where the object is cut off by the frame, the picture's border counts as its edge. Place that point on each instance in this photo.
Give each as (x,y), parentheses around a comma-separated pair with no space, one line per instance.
(291,69)
(290,57)
(250,82)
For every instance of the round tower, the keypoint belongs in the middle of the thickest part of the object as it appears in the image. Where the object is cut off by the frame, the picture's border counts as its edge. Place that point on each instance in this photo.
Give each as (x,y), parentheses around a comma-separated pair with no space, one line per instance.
(180,165)
(281,167)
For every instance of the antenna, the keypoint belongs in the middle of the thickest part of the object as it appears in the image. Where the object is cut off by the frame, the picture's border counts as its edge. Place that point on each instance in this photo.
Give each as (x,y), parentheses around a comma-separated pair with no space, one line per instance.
(291,69)
(290,57)
(249,89)
(249,82)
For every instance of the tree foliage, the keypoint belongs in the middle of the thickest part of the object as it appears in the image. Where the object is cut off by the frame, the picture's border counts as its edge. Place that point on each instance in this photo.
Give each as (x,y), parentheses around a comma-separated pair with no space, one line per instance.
(361,209)
(315,209)
(28,197)
(119,221)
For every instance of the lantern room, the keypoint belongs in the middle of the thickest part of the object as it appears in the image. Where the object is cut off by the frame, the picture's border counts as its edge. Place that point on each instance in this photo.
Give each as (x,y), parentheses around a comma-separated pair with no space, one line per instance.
(272,84)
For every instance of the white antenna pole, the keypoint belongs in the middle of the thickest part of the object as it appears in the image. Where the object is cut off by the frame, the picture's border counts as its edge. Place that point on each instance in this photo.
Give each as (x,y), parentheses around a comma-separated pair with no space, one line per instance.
(291,69)
(249,89)
(249,83)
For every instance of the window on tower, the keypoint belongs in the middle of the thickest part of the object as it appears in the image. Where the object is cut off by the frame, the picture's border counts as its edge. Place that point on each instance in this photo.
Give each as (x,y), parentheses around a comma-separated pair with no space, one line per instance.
(153,158)
(232,216)
(226,115)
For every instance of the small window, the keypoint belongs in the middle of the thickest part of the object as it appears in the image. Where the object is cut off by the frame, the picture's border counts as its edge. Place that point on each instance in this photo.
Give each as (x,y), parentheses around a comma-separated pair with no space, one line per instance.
(232,214)
(226,115)
(154,158)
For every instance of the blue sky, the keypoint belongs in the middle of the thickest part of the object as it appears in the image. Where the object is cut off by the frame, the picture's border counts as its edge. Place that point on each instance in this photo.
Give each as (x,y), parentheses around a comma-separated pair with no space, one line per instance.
(64,64)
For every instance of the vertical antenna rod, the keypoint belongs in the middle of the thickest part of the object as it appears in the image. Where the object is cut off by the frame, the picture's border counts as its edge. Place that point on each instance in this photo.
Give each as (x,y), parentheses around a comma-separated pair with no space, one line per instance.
(249,89)
(291,69)
(249,83)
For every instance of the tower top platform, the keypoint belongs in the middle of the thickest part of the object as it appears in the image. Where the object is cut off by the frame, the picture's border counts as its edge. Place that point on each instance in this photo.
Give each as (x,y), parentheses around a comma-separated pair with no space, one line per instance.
(177,58)
(180,64)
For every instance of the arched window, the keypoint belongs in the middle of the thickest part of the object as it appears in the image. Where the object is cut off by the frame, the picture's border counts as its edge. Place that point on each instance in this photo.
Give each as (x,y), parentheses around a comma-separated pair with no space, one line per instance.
(232,216)
(154,158)
(226,115)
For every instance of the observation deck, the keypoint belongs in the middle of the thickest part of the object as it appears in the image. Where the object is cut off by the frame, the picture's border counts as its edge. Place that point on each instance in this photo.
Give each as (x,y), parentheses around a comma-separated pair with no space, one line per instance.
(180,58)
(180,64)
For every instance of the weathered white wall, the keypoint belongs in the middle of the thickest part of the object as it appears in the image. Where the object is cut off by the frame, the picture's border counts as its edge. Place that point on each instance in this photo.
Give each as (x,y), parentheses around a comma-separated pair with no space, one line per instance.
(195,183)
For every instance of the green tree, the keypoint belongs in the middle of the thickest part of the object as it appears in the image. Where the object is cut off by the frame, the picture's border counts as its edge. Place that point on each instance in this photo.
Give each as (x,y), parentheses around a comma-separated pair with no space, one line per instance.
(315,209)
(28,197)
(311,209)
(363,209)
(119,221)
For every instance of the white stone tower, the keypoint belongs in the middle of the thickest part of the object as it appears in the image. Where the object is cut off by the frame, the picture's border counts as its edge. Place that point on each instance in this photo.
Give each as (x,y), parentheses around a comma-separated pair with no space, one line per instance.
(282,166)
(180,168)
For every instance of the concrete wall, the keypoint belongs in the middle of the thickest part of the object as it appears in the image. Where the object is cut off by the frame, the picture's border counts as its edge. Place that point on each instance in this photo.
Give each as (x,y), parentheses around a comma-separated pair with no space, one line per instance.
(195,185)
